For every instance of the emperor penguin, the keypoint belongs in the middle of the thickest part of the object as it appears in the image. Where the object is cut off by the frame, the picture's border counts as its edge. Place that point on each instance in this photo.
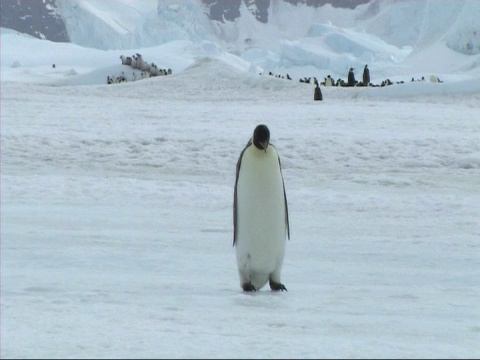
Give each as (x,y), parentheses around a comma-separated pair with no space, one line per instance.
(260,214)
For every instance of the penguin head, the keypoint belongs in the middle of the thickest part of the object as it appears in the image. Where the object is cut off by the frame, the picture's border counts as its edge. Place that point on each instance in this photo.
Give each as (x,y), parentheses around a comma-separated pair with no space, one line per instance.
(261,137)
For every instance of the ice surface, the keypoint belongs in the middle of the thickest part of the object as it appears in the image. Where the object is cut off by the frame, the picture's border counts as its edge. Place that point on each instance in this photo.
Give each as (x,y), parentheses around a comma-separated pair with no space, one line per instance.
(116,208)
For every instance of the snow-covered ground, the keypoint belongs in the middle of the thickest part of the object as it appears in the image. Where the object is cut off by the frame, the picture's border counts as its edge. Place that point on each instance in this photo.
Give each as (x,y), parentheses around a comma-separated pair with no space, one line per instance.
(116,209)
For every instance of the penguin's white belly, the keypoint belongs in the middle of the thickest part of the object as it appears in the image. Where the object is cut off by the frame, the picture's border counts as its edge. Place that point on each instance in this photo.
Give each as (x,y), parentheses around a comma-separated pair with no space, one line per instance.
(261,236)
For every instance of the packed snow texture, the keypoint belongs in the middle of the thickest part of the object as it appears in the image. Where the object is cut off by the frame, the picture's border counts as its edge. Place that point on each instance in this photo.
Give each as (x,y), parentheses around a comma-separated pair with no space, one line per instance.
(116,204)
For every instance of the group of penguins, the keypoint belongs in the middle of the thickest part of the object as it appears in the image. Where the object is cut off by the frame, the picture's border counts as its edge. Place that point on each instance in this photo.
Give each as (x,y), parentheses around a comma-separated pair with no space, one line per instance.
(329,81)
(351,81)
(137,62)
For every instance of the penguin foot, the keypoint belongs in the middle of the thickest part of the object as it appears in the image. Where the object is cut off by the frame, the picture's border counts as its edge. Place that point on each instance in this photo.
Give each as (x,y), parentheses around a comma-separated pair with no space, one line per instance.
(277,286)
(248,287)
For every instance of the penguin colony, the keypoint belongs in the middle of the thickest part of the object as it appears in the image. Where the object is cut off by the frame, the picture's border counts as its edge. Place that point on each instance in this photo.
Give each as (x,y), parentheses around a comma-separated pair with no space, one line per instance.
(136,62)
(351,81)
(260,214)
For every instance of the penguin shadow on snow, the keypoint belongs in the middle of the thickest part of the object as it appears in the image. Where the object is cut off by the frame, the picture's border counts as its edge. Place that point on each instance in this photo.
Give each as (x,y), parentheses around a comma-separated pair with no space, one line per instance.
(269,299)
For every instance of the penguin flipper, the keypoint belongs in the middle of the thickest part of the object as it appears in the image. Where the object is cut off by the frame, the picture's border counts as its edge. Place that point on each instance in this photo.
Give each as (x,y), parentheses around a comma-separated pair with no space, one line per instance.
(235,212)
(287,223)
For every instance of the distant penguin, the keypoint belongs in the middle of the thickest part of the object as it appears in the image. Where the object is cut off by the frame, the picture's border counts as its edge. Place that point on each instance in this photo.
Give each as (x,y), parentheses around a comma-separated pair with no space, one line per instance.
(351,78)
(260,214)
(366,76)
(317,95)
(328,81)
